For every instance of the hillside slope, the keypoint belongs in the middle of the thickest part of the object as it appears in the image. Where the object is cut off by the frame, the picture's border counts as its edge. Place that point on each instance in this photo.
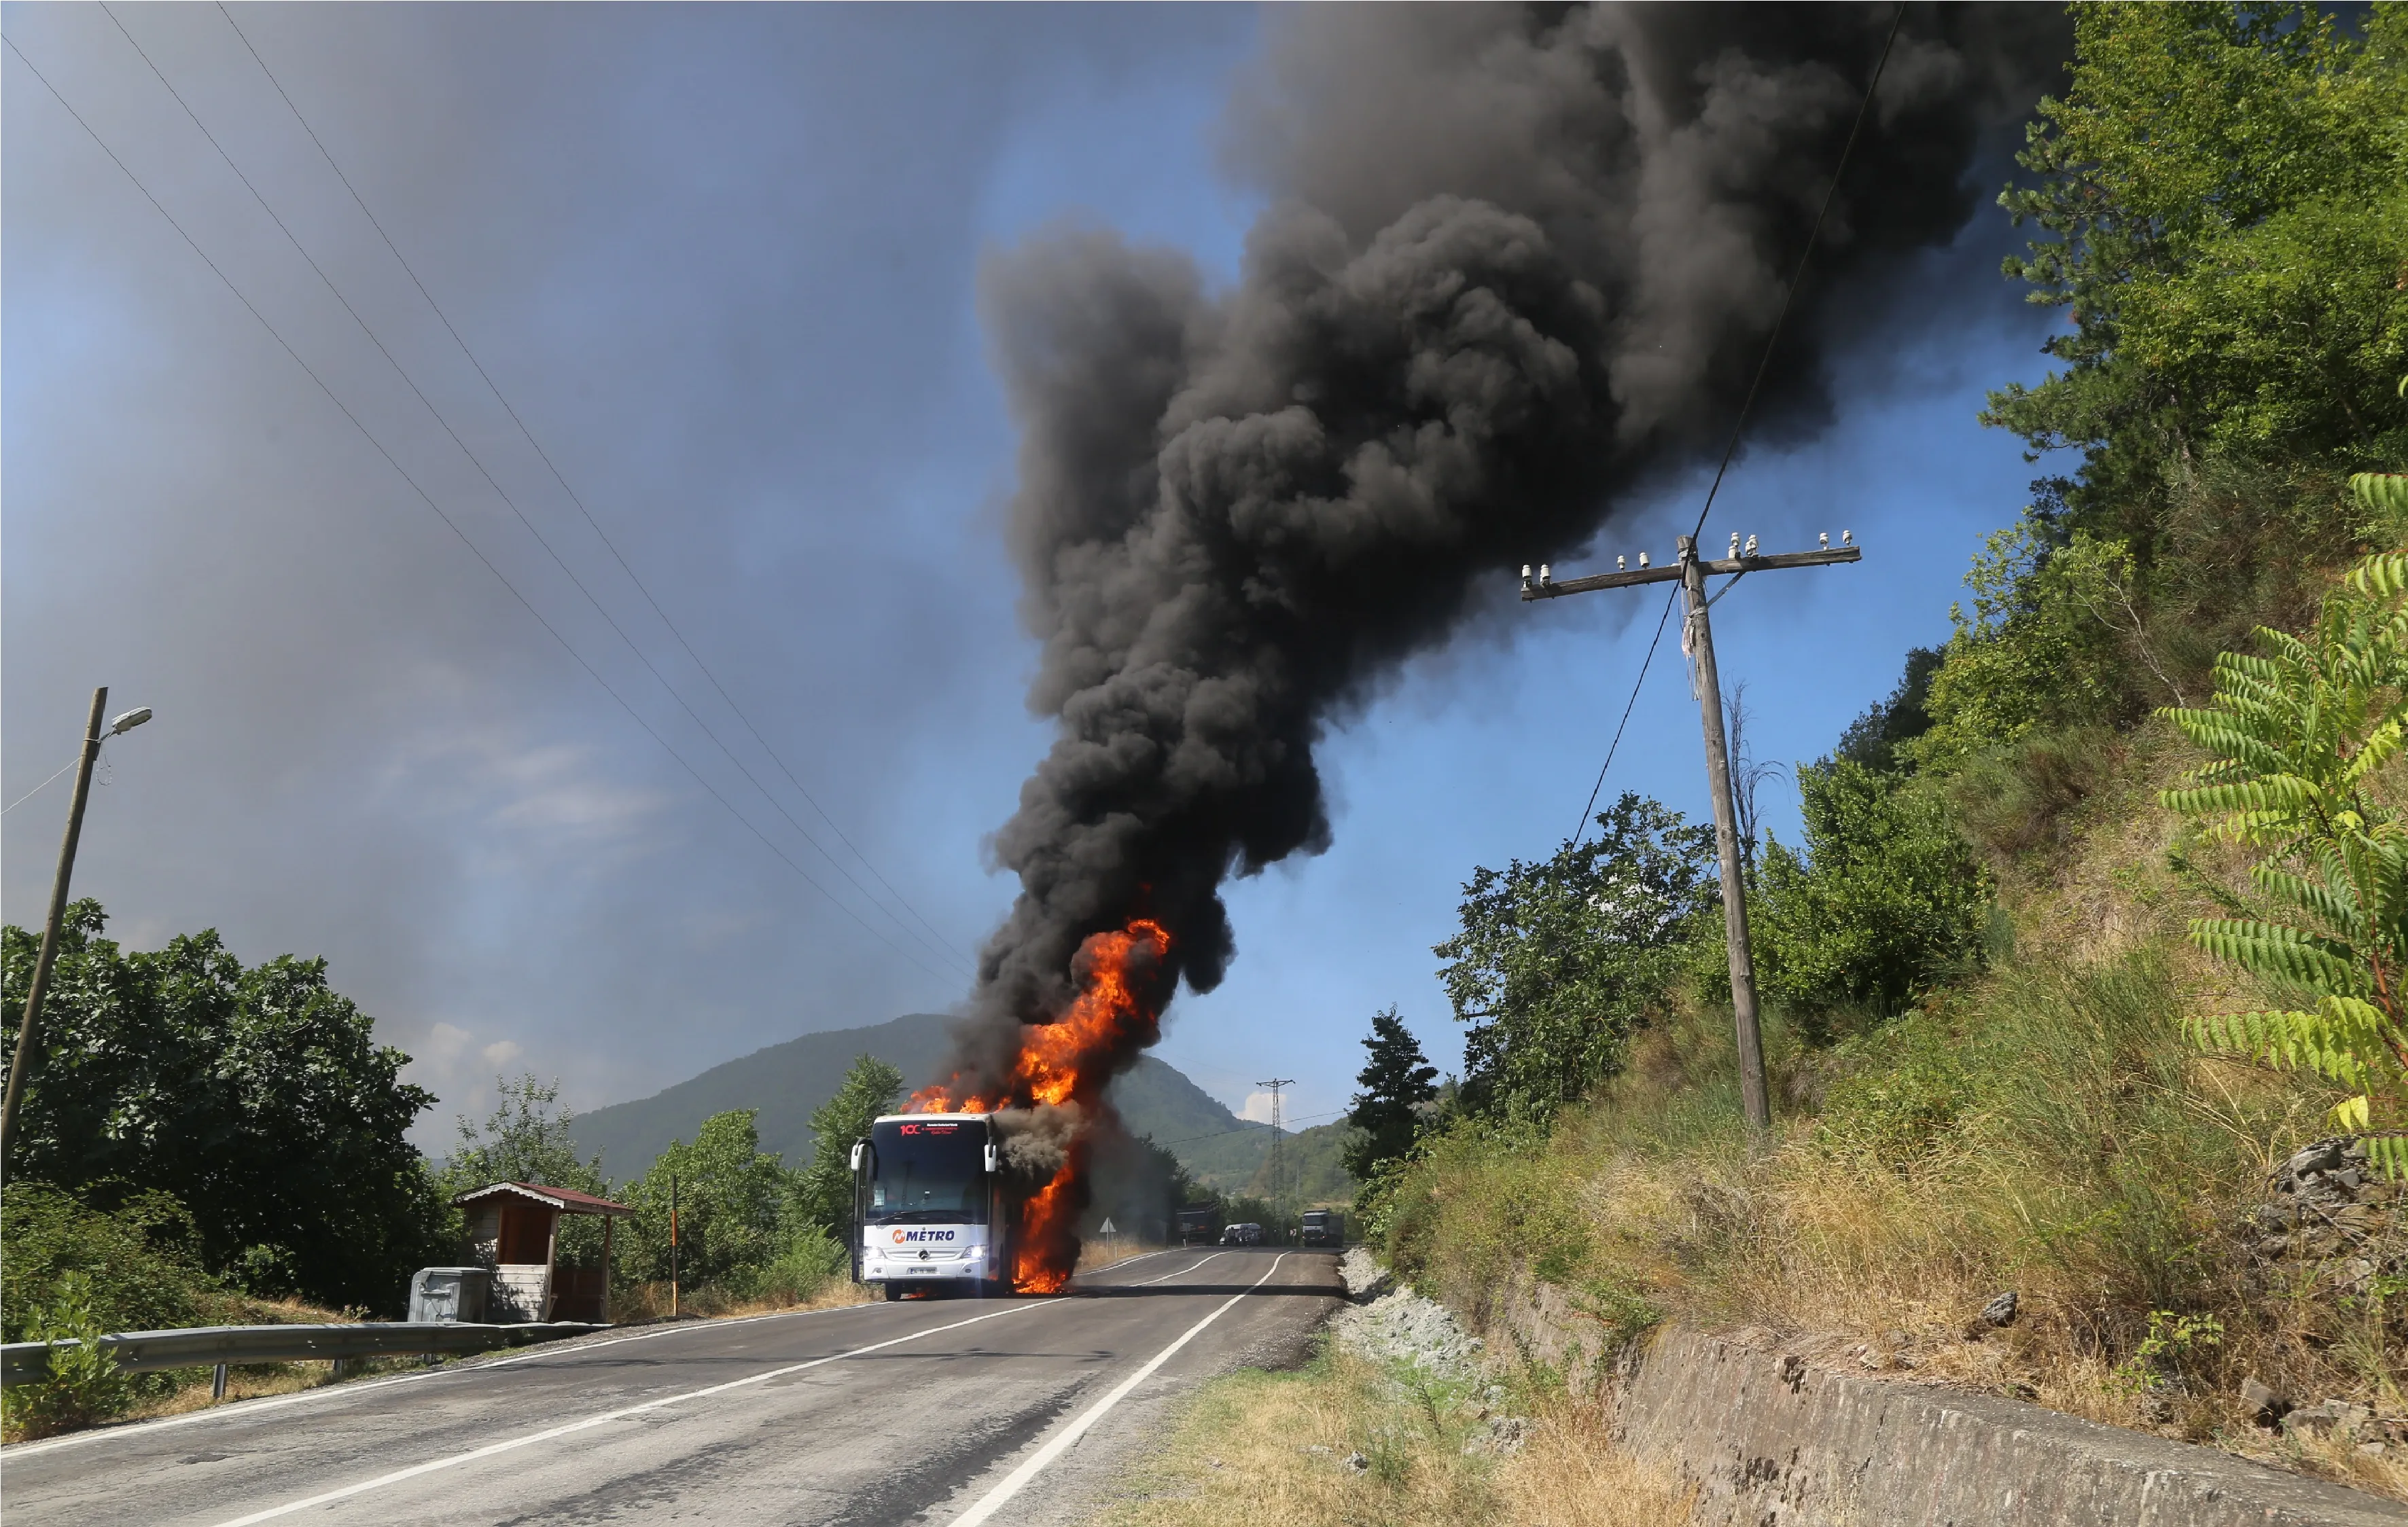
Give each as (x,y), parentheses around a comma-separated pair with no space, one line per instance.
(786,1083)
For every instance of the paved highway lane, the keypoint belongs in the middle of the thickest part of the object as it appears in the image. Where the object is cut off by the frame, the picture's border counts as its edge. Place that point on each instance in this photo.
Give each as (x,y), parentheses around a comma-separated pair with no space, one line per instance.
(1007,1412)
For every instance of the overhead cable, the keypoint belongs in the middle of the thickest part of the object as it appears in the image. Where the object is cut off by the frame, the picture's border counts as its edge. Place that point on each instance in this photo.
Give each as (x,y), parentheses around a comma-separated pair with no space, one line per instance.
(943,951)
(1763,365)
(604,537)
(449,523)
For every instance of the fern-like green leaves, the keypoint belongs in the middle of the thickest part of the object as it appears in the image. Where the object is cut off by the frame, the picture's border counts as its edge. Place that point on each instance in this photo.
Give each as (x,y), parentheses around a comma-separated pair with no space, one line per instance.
(2296,737)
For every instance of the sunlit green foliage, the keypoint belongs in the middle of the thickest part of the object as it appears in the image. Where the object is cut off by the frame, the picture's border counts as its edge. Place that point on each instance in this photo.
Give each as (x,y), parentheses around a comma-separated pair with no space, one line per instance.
(139,1266)
(2300,737)
(1885,901)
(84,1385)
(1559,961)
(2223,194)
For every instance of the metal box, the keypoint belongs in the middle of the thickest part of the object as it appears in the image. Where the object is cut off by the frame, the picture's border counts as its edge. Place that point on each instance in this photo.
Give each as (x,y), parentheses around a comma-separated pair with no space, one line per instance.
(450,1293)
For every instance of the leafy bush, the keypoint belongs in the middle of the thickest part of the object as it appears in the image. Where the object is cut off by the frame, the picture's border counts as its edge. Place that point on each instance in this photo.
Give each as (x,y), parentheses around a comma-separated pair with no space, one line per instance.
(2298,741)
(1885,902)
(84,1385)
(2039,649)
(810,1260)
(133,1269)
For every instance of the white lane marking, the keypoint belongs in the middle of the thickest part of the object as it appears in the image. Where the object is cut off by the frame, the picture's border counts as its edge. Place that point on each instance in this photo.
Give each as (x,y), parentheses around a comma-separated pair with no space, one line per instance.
(240,1410)
(994,1500)
(1182,1272)
(531,1438)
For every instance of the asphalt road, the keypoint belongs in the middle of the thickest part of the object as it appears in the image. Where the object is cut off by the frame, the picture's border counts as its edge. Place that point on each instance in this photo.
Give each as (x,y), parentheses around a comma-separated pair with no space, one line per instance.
(1011,1412)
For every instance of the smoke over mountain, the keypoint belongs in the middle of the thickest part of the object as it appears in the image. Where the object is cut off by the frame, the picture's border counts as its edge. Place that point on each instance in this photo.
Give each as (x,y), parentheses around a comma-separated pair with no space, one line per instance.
(1518,261)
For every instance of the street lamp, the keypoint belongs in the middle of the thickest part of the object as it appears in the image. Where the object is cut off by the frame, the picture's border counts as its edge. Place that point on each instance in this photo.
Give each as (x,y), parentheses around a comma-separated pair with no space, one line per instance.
(28,1031)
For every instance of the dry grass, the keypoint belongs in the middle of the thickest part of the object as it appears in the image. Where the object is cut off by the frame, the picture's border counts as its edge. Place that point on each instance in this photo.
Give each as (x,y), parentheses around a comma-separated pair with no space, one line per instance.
(1095,1254)
(1257,1446)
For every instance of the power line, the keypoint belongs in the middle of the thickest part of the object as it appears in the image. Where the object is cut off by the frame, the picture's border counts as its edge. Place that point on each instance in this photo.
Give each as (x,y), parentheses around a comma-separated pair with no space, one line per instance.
(1615,746)
(1772,339)
(586,514)
(37,789)
(447,521)
(1763,365)
(941,951)
(1244,1128)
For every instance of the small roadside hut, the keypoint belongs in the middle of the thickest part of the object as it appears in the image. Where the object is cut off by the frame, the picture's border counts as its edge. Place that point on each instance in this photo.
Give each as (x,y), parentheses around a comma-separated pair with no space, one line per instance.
(514,1229)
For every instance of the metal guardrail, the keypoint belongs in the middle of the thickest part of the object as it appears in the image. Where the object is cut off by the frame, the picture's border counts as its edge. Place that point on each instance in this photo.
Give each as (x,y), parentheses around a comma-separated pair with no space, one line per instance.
(203,1346)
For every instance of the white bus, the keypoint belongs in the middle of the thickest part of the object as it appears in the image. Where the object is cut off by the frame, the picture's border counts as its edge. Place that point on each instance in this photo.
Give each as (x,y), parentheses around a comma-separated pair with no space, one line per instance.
(928,1209)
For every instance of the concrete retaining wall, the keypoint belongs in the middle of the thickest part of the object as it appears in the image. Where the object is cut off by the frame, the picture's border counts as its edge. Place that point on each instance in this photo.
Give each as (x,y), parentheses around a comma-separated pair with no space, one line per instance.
(1774,1442)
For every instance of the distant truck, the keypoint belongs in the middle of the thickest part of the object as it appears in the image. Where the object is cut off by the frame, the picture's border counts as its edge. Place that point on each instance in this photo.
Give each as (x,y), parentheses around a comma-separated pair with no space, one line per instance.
(1323,1227)
(1199,1225)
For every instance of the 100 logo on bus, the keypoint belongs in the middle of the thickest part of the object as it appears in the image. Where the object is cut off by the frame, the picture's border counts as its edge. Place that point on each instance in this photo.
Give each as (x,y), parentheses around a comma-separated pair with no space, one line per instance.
(903,1236)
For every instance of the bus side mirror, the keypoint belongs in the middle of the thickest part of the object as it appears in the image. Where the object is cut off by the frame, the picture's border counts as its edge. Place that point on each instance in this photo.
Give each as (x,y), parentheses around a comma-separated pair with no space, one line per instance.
(856,1155)
(992,1159)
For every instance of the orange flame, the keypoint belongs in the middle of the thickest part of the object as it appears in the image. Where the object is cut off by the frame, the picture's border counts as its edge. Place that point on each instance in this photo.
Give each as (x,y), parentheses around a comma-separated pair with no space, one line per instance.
(1061,1062)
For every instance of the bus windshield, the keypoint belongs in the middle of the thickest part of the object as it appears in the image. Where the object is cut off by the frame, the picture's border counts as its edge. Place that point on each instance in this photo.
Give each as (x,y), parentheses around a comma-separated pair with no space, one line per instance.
(927,1171)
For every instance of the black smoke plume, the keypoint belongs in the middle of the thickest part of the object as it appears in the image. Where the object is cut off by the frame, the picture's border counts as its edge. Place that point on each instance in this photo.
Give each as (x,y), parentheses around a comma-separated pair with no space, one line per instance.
(1518,261)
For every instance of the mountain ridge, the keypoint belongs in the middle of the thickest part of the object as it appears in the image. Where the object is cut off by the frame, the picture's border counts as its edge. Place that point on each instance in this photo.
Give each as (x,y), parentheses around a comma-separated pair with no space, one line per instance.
(785,1082)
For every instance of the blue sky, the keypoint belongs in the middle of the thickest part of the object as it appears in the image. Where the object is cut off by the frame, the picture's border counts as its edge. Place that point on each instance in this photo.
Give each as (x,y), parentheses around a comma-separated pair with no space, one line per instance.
(723,263)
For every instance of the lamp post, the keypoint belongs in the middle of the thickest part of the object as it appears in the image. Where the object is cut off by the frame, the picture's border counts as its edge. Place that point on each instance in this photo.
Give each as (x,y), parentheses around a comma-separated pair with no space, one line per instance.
(29,1030)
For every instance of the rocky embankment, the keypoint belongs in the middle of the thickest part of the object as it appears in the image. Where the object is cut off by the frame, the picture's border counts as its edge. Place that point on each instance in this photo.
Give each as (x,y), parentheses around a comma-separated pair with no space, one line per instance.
(1421,1343)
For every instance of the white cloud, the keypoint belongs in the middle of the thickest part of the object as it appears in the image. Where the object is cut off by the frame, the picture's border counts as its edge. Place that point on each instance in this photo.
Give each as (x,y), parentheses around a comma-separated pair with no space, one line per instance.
(458,1066)
(1257,1109)
(554,791)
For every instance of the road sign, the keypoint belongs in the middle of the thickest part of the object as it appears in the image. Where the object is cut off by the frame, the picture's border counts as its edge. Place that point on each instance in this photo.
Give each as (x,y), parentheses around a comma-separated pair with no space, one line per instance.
(1107,1228)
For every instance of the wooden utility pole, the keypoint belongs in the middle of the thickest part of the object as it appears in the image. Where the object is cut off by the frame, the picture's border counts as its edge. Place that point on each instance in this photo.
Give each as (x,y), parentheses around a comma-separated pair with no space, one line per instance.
(29,1029)
(1697,641)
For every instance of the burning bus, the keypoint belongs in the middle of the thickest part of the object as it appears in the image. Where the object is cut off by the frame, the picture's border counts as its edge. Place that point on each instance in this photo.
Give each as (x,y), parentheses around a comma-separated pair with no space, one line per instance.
(928,1209)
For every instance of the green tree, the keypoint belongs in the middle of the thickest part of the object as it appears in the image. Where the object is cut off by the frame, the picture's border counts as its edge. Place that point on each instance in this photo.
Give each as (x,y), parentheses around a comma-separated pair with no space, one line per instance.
(1877,739)
(528,1138)
(256,1097)
(732,1200)
(1885,902)
(824,1189)
(1558,962)
(1398,1083)
(2299,740)
(2037,650)
(2223,196)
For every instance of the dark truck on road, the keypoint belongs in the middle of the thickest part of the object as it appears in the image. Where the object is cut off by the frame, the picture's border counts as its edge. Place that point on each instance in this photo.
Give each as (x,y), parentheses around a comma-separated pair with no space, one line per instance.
(1323,1227)
(1199,1225)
